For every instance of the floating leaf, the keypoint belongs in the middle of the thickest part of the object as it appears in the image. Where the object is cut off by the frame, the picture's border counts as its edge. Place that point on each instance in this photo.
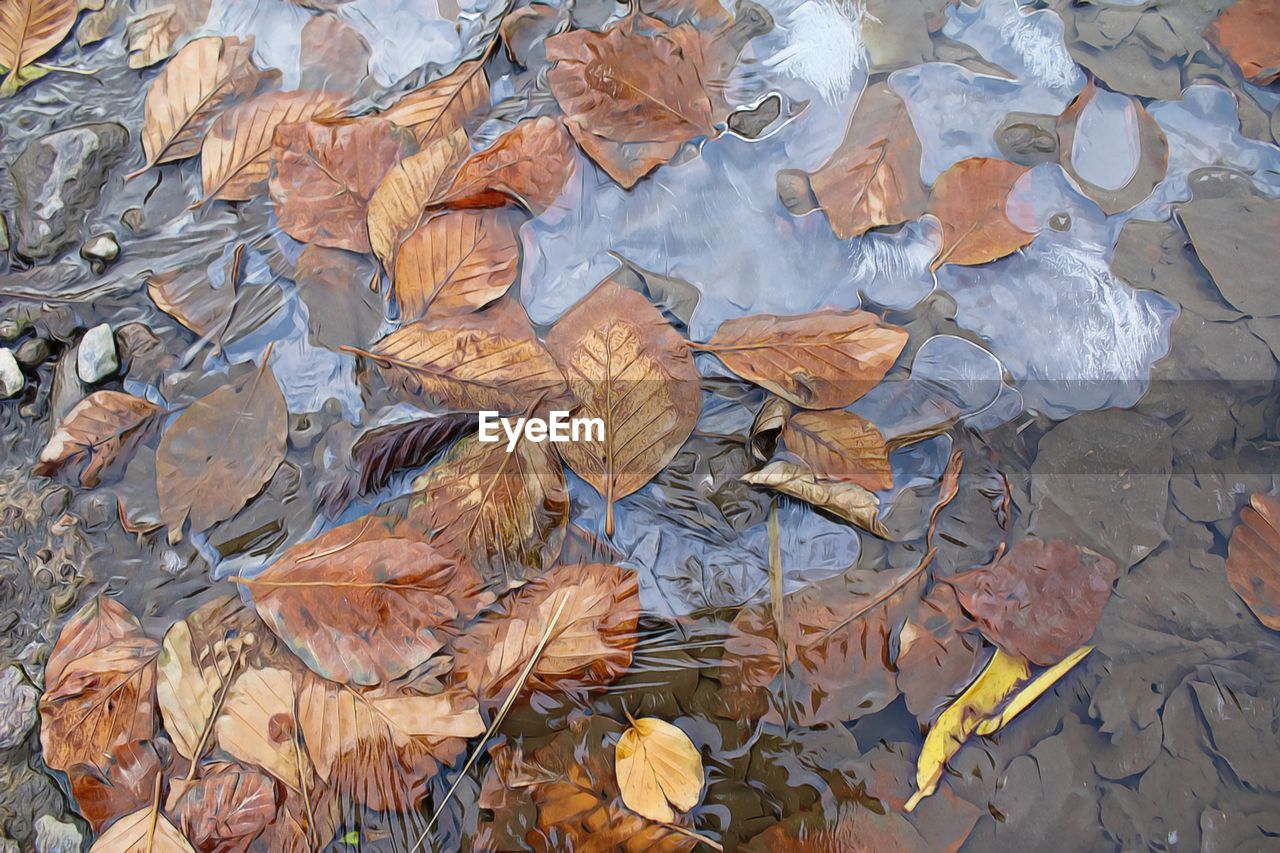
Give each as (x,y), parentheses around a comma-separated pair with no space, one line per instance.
(325,173)
(873,178)
(220,452)
(969,200)
(848,501)
(1253,559)
(823,360)
(103,430)
(456,262)
(658,769)
(398,204)
(235,158)
(628,367)
(529,164)
(144,831)
(503,512)
(125,784)
(28,30)
(1246,32)
(443,107)
(839,445)
(226,809)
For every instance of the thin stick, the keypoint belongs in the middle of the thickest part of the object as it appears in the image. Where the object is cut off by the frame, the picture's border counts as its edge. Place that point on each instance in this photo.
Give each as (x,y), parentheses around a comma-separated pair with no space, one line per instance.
(213,714)
(155,813)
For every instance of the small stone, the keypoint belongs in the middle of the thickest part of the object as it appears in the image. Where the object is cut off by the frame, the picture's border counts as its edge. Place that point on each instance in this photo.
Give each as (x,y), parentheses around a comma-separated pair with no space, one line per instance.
(54,836)
(11,330)
(17,707)
(33,352)
(96,358)
(134,219)
(100,250)
(11,378)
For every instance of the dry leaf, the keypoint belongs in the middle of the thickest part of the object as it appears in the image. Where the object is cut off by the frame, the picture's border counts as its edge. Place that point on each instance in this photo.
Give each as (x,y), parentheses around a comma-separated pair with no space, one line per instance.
(529,164)
(632,94)
(257,724)
(628,367)
(149,37)
(403,592)
(124,785)
(658,769)
(144,831)
(444,106)
(205,78)
(235,158)
(456,262)
(383,451)
(589,647)
(1041,600)
(324,173)
(472,363)
(1032,691)
(1248,33)
(397,206)
(873,178)
(848,501)
(969,200)
(502,512)
(225,810)
(823,360)
(839,445)
(380,749)
(939,653)
(99,687)
(220,452)
(1253,559)
(28,30)
(853,828)
(103,430)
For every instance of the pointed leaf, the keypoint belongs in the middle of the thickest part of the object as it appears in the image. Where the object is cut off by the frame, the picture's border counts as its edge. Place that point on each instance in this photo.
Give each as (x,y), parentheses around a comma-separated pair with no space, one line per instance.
(848,501)
(1253,559)
(456,262)
(397,205)
(444,106)
(28,30)
(144,831)
(839,445)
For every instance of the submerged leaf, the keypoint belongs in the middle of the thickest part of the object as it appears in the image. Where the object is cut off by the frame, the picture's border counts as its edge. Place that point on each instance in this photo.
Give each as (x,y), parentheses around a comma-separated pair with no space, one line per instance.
(658,769)
(226,810)
(1253,559)
(1247,32)
(1152,152)
(443,106)
(529,165)
(103,430)
(1032,691)
(455,262)
(383,451)
(839,445)
(398,204)
(969,200)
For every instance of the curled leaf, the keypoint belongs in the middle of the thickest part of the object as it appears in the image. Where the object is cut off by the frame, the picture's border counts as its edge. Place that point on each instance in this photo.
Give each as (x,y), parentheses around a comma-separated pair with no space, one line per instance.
(658,769)
(848,501)
(397,205)
(529,165)
(103,430)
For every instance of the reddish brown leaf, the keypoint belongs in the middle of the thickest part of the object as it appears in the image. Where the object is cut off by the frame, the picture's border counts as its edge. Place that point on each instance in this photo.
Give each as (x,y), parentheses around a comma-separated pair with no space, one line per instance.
(939,654)
(1253,559)
(399,204)
(456,262)
(969,200)
(124,785)
(839,445)
(381,452)
(104,430)
(225,810)
(853,828)
(333,55)
(1249,33)
(529,164)
(1041,600)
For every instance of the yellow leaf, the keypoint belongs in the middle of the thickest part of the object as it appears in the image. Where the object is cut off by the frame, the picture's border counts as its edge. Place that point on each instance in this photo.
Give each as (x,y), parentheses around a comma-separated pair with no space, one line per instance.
(658,767)
(1031,692)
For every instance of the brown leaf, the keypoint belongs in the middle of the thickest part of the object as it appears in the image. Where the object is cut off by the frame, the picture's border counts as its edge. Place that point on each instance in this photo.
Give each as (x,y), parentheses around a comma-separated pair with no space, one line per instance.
(1041,600)
(28,30)
(590,646)
(403,593)
(1153,154)
(839,445)
(848,501)
(969,200)
(235,158)
(823,360)
(456,262)
(629,368)
(529,164)
(125,784)
(851,828)
(631,95)
(873,178)
(380,749)
(471,363)
(220,452)
(400,201)
(224,314)
(99,687)
(443,106)
(226,810)
(1248,33)
(144,831)
(104,430)
(502,512)
(1253,559)
(205,78)
(766,428)
(333,55)
(324,173)
(938,654)
(150,37)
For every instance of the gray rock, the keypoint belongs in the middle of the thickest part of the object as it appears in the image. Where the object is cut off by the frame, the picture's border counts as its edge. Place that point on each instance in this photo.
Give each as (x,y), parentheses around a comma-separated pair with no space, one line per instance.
(17,707)
(96,357)
(33,351)
(54,836)
(58,178)
(11,330)
(101,251)
(11,378)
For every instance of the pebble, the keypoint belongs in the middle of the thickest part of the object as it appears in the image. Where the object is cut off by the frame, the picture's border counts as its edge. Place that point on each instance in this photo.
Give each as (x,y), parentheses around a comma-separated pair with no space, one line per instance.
(33,352)
(17,707)
(11,378)
(100,250)
(54,836)
(11,330)
(96,358)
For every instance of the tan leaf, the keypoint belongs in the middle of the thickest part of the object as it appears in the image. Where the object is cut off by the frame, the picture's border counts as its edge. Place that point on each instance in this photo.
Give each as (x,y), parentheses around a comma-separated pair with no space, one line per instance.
(379,749)
(144,831)
(503,512)
(456,262)
(823,360)
(235,158)
(28,30)
(220,452)
(99,688)
(628,367)
(149,37)
(839,445)
(589,647)
(1253,559)
(404,593)
(1248,34)
(848,501)
(103,429)
(206,77)
(529,164)
(443,106)
(324,174)
(969,200)
(257,724)
(658,768)
(468,364)
(397,206)
(873,178)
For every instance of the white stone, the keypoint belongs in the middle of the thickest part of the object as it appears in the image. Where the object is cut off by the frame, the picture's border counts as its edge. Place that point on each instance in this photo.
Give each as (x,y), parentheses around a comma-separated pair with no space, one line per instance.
(54,836)
(96,358)
(17,707)
(11,378)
